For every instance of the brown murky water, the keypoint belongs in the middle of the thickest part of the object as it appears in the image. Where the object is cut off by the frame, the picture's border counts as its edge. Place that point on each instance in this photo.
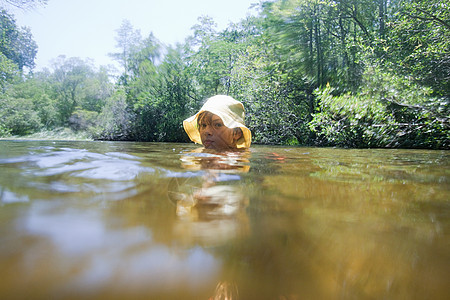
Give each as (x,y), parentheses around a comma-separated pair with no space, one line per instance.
(168,221)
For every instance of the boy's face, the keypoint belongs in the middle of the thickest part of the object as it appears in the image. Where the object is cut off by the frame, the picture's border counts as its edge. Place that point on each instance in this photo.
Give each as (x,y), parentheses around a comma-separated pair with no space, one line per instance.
(215,135)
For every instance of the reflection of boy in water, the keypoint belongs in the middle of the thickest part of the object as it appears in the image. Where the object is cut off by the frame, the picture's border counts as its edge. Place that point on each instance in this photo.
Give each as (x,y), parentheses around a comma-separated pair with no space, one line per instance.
(219,125)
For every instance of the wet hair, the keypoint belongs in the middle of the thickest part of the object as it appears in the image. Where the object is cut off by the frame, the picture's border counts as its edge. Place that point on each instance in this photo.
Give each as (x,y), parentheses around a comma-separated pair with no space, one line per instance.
(206,117)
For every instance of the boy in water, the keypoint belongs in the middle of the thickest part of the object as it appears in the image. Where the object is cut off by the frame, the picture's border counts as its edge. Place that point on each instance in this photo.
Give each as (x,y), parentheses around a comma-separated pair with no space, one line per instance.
(219,125)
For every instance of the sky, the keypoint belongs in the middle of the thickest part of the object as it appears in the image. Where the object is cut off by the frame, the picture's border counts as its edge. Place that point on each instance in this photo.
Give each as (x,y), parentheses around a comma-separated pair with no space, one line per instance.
(87,28)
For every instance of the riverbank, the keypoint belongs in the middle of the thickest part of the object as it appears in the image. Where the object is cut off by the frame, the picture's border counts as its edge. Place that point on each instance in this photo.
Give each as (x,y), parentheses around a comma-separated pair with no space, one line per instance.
(62,134)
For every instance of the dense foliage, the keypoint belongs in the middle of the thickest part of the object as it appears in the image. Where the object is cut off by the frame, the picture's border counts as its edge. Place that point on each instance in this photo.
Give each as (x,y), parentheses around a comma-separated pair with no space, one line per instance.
(360,73)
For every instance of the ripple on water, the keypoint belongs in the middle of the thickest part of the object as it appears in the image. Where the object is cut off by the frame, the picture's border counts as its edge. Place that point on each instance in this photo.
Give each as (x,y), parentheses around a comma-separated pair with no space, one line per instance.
(7,196)
(82,163)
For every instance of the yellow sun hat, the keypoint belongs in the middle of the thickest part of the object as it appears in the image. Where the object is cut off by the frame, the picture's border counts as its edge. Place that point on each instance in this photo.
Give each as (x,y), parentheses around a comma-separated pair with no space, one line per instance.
(231,112)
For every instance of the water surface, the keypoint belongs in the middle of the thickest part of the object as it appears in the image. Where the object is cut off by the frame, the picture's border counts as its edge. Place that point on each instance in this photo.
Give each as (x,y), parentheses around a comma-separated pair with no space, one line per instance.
(170,221)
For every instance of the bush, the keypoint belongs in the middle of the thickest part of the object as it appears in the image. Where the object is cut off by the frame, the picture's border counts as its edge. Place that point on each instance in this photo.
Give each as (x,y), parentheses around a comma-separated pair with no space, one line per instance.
(114,122)
(82,119)
(18,116)
(387,111)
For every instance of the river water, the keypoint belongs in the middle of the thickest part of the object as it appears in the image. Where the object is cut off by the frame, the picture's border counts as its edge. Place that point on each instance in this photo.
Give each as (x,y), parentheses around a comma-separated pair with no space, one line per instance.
(114,220)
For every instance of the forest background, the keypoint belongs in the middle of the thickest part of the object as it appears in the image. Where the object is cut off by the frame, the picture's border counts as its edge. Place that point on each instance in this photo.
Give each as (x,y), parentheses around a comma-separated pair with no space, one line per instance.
(346,73)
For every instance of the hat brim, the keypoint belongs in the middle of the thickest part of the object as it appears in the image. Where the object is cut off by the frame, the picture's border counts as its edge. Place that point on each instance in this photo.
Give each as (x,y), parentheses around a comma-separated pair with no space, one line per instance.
(191,128)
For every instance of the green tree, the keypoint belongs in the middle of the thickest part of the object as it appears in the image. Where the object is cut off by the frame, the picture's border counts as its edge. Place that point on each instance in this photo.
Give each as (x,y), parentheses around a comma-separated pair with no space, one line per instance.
(77,86)
(204,58)
(37,88)
(96,89)
(68,78)
(419,42)
(176,101)
(8,71)
(18,116)
(128,40)
(114,121)
(158,93)
(16,44)
(322,40)
(23,4)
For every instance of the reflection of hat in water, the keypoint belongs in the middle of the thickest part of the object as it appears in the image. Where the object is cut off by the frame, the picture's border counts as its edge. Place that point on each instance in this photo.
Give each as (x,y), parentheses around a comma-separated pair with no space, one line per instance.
(229,110)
